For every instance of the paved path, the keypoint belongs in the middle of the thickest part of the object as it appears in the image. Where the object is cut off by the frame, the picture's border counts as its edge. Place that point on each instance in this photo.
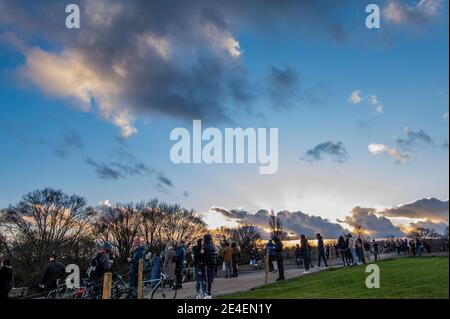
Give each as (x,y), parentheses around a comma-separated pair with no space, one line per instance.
(250,280)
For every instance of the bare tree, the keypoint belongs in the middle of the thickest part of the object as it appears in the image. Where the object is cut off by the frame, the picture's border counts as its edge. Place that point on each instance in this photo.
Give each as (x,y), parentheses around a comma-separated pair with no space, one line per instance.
(275,225)
(119,225)
(246,237)
(44,222)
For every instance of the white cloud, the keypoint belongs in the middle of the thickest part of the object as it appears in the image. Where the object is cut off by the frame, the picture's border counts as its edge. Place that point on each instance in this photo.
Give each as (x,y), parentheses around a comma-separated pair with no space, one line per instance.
(400,13)
(67,75)
(355,97)
(378,149)
(222,40)
(446,116)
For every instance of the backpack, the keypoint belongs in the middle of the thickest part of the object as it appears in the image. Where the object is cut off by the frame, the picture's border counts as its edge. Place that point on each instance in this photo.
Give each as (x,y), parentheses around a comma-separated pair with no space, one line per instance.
(95,268)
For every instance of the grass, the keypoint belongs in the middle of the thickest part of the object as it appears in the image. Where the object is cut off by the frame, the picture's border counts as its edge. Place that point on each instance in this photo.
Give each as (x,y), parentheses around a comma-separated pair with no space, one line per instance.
(411,278)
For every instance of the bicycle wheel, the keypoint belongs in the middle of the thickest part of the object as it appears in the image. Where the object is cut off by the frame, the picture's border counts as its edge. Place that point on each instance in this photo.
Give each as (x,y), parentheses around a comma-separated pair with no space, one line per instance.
(164,290)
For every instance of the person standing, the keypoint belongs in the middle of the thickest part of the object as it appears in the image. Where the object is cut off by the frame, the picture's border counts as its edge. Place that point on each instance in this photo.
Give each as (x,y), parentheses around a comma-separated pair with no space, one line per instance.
(279,257)
(270,248)
(211,261)
(352,249)
(298,256)
(53,272)
(227,257)
(137,253)
(181,258)
(342,249)
(321,250)
(169,265)
(6,279)
(304,248)
(199,269)
(236,257)
(375,249)
(155,269)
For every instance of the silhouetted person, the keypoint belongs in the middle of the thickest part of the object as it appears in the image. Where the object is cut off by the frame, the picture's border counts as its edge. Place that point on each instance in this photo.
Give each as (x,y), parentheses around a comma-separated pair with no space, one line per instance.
(279,257)
(321,250)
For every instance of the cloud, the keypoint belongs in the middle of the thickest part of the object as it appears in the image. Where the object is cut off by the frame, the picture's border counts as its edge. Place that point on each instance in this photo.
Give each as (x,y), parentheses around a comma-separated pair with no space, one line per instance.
(140,59)
(355,97)
(293,222)
(105,171)
(414,138)
(283,86)
(378,149)
(69,141)
(430,208)
(165,180)
(420,13)
(335,150)
(376,226)
(445,115)
(374,100)
(438,227)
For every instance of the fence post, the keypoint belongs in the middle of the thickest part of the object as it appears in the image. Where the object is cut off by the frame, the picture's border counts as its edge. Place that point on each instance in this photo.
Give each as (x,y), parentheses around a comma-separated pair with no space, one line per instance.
(140,288)
(266,270)
(107,282)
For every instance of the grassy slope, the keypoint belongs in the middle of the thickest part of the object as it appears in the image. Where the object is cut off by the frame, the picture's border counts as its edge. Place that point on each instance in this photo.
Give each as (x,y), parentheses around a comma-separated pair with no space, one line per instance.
(399,278)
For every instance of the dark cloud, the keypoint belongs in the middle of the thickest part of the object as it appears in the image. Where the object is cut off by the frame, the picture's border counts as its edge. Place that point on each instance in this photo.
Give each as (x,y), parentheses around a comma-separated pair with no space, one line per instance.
(430,208)
(414,138)
(283,86)
(293,222)
(179,59)
(164,180)
(70,141)
(105,171)
(334,150)
(376,226)
(438,227)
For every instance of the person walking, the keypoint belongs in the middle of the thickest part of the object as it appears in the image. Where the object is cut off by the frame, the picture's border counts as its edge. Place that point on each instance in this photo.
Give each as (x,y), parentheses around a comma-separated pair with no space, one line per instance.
(279,257)
(235,259)
(304,249)
(209,250)
(6,279)
(199,269)
(270,247)
(227,257)
(321,250)
(53,272)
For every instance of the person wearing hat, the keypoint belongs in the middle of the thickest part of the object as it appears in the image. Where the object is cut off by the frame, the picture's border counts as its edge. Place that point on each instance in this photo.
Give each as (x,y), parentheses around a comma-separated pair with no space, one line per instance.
(137,252)
(6,279)
(101,262)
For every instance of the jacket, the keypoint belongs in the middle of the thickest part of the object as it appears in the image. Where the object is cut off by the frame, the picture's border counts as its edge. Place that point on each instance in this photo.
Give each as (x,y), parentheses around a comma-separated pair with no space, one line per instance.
(53,271)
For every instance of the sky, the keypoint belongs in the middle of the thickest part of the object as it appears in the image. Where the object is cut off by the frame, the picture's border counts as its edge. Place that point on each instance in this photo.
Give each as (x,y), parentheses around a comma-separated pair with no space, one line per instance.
(362,114)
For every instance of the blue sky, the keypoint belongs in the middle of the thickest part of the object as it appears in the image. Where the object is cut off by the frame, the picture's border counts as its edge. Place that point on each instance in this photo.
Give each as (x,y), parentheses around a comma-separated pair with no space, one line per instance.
(404,64)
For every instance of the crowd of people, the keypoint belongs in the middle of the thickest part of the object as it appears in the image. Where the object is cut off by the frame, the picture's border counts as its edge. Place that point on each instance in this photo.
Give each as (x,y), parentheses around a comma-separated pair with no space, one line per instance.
(204,258)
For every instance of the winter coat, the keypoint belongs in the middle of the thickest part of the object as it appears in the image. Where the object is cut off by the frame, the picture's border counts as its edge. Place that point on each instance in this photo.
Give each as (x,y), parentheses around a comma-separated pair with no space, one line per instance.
(53,271)
(155,267)
(6,278)
(271,248)
(170,263)
(210,252)
(199,257)
(227,254)
(138,253)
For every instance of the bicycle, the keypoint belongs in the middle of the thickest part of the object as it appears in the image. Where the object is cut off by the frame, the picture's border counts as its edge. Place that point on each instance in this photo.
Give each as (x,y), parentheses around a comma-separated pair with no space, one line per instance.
(164,288)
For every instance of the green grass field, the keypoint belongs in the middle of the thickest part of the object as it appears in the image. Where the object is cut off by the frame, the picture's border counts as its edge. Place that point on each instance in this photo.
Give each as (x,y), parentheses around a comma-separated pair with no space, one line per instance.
(399,278)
